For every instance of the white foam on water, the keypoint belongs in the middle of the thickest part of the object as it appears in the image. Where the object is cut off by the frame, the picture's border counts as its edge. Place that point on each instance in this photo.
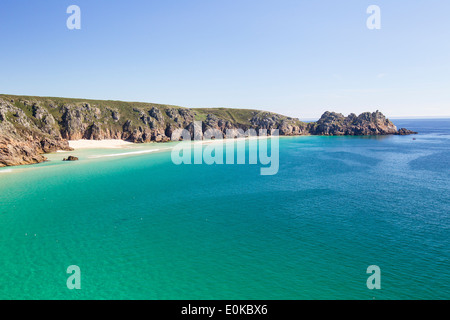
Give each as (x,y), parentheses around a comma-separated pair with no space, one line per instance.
(127,153)
(5,170)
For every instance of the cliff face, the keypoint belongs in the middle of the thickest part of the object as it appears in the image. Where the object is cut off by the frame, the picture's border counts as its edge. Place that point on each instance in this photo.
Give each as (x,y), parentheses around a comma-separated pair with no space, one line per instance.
(23,140)
(367,123)
(32,126)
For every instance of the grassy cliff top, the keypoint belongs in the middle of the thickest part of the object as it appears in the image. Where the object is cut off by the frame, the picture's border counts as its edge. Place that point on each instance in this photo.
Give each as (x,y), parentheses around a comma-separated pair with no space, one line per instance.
(128,109)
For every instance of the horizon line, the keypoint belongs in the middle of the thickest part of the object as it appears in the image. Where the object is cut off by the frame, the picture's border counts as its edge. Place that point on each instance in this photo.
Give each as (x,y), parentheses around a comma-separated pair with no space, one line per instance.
(248,108)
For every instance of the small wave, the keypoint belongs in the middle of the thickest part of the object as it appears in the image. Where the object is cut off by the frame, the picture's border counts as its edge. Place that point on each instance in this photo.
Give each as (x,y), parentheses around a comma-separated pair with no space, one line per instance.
(5,170)
(125,154)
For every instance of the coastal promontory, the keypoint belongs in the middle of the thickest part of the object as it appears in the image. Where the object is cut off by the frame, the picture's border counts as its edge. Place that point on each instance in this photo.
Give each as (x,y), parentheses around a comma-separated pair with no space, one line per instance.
(33,126)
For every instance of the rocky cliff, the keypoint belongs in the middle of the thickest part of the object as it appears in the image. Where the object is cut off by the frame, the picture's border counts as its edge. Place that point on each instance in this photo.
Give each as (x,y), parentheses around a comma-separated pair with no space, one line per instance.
(33,126)
(25,138)
(332,123)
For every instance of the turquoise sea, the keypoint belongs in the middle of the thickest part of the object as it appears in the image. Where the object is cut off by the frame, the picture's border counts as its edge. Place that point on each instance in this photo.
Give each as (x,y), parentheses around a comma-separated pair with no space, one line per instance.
(141,227)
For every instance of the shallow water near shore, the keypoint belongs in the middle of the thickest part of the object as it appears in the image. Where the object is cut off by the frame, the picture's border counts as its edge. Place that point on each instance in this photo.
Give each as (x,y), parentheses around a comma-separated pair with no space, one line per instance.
(141,227)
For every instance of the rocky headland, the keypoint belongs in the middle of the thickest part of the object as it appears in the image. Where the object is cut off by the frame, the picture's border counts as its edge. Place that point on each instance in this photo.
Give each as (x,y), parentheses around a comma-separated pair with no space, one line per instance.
(33,126)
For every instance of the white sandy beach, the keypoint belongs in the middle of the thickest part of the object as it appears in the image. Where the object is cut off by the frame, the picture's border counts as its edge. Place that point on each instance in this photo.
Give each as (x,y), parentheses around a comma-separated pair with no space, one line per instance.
(115,143)
(119,144)
(98,144)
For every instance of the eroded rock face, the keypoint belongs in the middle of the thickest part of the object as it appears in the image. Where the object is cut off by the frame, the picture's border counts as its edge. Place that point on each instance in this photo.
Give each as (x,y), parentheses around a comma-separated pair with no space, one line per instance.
(73,125)
(23,141)
(332,123)
(157,114)
(115,115)
(13,152)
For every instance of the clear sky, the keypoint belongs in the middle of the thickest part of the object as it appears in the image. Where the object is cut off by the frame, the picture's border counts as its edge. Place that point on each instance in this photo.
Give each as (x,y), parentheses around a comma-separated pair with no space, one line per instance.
(295,57)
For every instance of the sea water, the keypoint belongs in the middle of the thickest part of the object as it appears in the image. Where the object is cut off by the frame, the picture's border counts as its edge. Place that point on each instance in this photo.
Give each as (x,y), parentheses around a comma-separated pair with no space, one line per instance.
(140,227)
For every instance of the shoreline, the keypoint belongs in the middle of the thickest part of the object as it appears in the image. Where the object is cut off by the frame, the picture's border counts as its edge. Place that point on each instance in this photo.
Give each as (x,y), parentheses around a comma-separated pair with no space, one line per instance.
(84,144)
(98,144)
(120,144)
(117,144)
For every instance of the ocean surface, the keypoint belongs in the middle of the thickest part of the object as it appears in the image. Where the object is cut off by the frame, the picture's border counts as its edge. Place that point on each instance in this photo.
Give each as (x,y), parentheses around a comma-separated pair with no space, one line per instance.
(141,227)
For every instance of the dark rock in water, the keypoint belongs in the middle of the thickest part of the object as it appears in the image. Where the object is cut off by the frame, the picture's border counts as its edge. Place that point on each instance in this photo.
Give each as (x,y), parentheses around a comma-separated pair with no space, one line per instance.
(71,158)
(405,132)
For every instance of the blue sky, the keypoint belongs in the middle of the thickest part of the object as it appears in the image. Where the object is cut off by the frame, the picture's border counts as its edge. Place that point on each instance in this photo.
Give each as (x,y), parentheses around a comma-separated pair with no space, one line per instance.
(298,58)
